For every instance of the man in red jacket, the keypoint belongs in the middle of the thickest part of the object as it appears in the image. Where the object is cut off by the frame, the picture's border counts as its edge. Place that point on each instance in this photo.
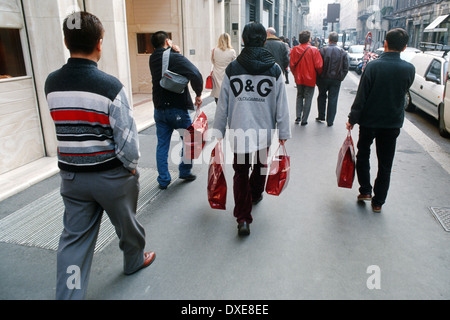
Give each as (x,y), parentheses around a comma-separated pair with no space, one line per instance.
(305,63)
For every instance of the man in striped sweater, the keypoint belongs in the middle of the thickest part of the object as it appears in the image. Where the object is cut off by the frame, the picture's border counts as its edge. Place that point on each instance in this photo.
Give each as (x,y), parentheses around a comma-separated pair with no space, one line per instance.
(98,153)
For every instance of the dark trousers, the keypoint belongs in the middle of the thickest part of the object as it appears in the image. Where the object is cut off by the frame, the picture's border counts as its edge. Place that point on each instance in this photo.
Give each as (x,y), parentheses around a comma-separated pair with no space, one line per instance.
(328,88)
(247,188)
(385,141)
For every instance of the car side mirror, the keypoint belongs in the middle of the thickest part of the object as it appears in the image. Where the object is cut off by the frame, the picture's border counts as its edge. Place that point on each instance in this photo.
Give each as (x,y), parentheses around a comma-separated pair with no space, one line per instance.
(432,77)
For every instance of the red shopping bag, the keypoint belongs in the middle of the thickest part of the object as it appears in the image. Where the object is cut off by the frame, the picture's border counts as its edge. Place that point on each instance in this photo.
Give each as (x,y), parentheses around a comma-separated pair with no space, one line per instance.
(195,136)
(278,177)
(217,185)
(209,82)
(345,169)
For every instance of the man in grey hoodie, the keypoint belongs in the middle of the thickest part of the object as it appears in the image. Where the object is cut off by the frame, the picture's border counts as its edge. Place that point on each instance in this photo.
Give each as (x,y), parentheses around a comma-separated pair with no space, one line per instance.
(253,103)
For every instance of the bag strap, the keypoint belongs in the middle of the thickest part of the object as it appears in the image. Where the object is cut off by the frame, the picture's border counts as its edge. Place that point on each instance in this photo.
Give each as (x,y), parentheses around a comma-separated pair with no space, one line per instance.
(302,56)
(165,61)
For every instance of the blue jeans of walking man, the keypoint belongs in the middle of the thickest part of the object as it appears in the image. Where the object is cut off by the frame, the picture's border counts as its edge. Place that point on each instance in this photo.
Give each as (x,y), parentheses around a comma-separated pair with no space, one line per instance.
(168,120)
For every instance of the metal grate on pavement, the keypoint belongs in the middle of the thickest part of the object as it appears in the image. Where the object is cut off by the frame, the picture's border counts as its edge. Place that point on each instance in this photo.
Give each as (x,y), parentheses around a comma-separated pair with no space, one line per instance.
(40,223)
(442,214)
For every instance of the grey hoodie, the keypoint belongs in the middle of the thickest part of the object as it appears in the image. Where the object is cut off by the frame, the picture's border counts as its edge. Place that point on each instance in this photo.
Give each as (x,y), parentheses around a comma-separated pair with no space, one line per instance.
(252,102)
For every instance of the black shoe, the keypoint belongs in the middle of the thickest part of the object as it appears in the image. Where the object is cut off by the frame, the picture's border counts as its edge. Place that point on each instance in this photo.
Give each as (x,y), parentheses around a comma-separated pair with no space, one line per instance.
(190,177)
(297,121)
(330,125)
(162,187)
(256,201)
(304,123)
(319,119)
(243,229)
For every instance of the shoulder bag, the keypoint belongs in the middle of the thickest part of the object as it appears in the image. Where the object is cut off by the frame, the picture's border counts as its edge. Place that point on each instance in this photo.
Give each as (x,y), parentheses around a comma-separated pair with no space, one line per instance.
(302,56)
(171,81)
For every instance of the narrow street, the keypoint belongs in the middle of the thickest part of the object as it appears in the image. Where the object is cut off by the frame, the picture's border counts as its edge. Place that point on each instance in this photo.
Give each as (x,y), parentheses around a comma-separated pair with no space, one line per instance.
(314,241)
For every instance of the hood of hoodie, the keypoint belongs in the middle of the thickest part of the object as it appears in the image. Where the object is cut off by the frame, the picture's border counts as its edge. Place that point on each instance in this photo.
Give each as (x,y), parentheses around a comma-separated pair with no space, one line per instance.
(256,60)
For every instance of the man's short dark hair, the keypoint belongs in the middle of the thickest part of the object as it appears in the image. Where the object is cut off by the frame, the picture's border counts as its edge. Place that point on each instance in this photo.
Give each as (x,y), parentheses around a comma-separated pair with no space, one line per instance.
(82,32)
(397,39)
(254,35)
(304,36)
(333,36)
(159,39)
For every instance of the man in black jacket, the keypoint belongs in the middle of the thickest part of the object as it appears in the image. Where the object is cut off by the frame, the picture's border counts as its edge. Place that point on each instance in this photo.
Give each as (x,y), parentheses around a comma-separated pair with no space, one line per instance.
(280,51)
(378,109)
(171,109)
(335,68)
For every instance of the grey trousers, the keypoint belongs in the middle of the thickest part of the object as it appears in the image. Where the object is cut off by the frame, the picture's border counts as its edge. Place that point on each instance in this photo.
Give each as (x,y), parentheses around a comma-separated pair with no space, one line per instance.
(86,195)
(304,99)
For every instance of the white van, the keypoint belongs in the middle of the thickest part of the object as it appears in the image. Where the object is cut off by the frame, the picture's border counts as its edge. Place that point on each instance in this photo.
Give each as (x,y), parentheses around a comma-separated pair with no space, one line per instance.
(427,90)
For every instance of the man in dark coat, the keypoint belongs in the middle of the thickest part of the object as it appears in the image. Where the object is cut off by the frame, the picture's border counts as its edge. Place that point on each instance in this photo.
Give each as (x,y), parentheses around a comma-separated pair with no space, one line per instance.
(335,68)
(280,51)
(379,111)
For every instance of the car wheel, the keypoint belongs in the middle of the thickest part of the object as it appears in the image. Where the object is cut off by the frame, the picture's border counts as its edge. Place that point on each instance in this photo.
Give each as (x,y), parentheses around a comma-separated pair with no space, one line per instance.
(442,130)
(408,104)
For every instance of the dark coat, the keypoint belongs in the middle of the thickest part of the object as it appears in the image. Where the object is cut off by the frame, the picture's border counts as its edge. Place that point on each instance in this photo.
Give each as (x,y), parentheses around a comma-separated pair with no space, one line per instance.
(163,98)
(279,50)
(335,62)
(379,102)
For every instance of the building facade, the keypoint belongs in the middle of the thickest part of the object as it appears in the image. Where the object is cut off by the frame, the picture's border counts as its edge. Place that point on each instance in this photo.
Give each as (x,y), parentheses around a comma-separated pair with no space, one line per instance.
(424,20)
(32,46)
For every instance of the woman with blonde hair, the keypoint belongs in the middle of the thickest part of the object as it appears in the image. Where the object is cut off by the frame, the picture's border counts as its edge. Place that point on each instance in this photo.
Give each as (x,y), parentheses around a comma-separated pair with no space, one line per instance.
(221,57)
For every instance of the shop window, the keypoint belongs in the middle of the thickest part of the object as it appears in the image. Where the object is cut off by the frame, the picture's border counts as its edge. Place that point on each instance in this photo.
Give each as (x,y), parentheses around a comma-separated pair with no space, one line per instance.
(144,43)
(12,63)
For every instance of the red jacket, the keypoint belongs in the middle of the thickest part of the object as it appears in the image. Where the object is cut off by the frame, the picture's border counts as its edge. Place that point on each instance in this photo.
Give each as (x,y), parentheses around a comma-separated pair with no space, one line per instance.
(305,72)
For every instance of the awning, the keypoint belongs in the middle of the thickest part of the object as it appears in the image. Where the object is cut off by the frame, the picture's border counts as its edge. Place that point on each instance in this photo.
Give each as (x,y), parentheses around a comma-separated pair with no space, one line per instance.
(433,27)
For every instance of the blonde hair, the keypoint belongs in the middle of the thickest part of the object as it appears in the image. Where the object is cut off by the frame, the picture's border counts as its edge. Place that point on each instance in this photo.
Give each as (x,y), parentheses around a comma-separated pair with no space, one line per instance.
(224,42)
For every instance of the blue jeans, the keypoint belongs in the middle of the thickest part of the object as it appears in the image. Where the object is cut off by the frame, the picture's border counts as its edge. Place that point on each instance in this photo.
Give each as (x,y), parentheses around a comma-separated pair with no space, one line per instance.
(166,121)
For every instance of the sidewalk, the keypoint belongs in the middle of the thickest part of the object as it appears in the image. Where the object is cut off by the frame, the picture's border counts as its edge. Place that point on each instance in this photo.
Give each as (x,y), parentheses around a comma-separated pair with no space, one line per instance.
(19,179)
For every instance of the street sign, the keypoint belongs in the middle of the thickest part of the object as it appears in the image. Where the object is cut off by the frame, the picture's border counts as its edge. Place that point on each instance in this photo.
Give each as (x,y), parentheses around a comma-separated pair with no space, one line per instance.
(333,12)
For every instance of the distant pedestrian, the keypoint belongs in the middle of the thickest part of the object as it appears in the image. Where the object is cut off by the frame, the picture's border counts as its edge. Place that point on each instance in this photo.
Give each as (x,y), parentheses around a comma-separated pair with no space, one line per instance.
(379,110)
(171,109)
(221,57)
(252,104)
(280,51)
(335,68)
(306,63)
(98,153)
(295,41)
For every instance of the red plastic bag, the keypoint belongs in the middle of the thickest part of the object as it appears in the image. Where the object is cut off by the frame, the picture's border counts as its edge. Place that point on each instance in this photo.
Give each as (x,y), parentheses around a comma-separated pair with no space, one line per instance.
(279,172)
(195,136)
(209,82)
(345,169)
(217,185)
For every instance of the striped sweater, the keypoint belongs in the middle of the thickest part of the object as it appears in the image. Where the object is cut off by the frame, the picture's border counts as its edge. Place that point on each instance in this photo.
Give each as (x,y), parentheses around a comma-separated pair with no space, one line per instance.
(94,123)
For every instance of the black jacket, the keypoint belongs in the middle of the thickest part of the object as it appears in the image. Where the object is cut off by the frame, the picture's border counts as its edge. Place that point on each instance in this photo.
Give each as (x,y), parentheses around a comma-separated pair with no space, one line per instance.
(335,62)
(379,102)
(279,50)
(163,98)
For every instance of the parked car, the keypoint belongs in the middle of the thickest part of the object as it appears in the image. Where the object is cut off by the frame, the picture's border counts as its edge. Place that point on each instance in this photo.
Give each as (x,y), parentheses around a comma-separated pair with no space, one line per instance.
(427,90)
(406,54)
(355,55)
(444,111)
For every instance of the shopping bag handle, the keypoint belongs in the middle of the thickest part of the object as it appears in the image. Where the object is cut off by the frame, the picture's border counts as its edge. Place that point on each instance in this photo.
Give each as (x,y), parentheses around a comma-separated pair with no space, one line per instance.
(284,150)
